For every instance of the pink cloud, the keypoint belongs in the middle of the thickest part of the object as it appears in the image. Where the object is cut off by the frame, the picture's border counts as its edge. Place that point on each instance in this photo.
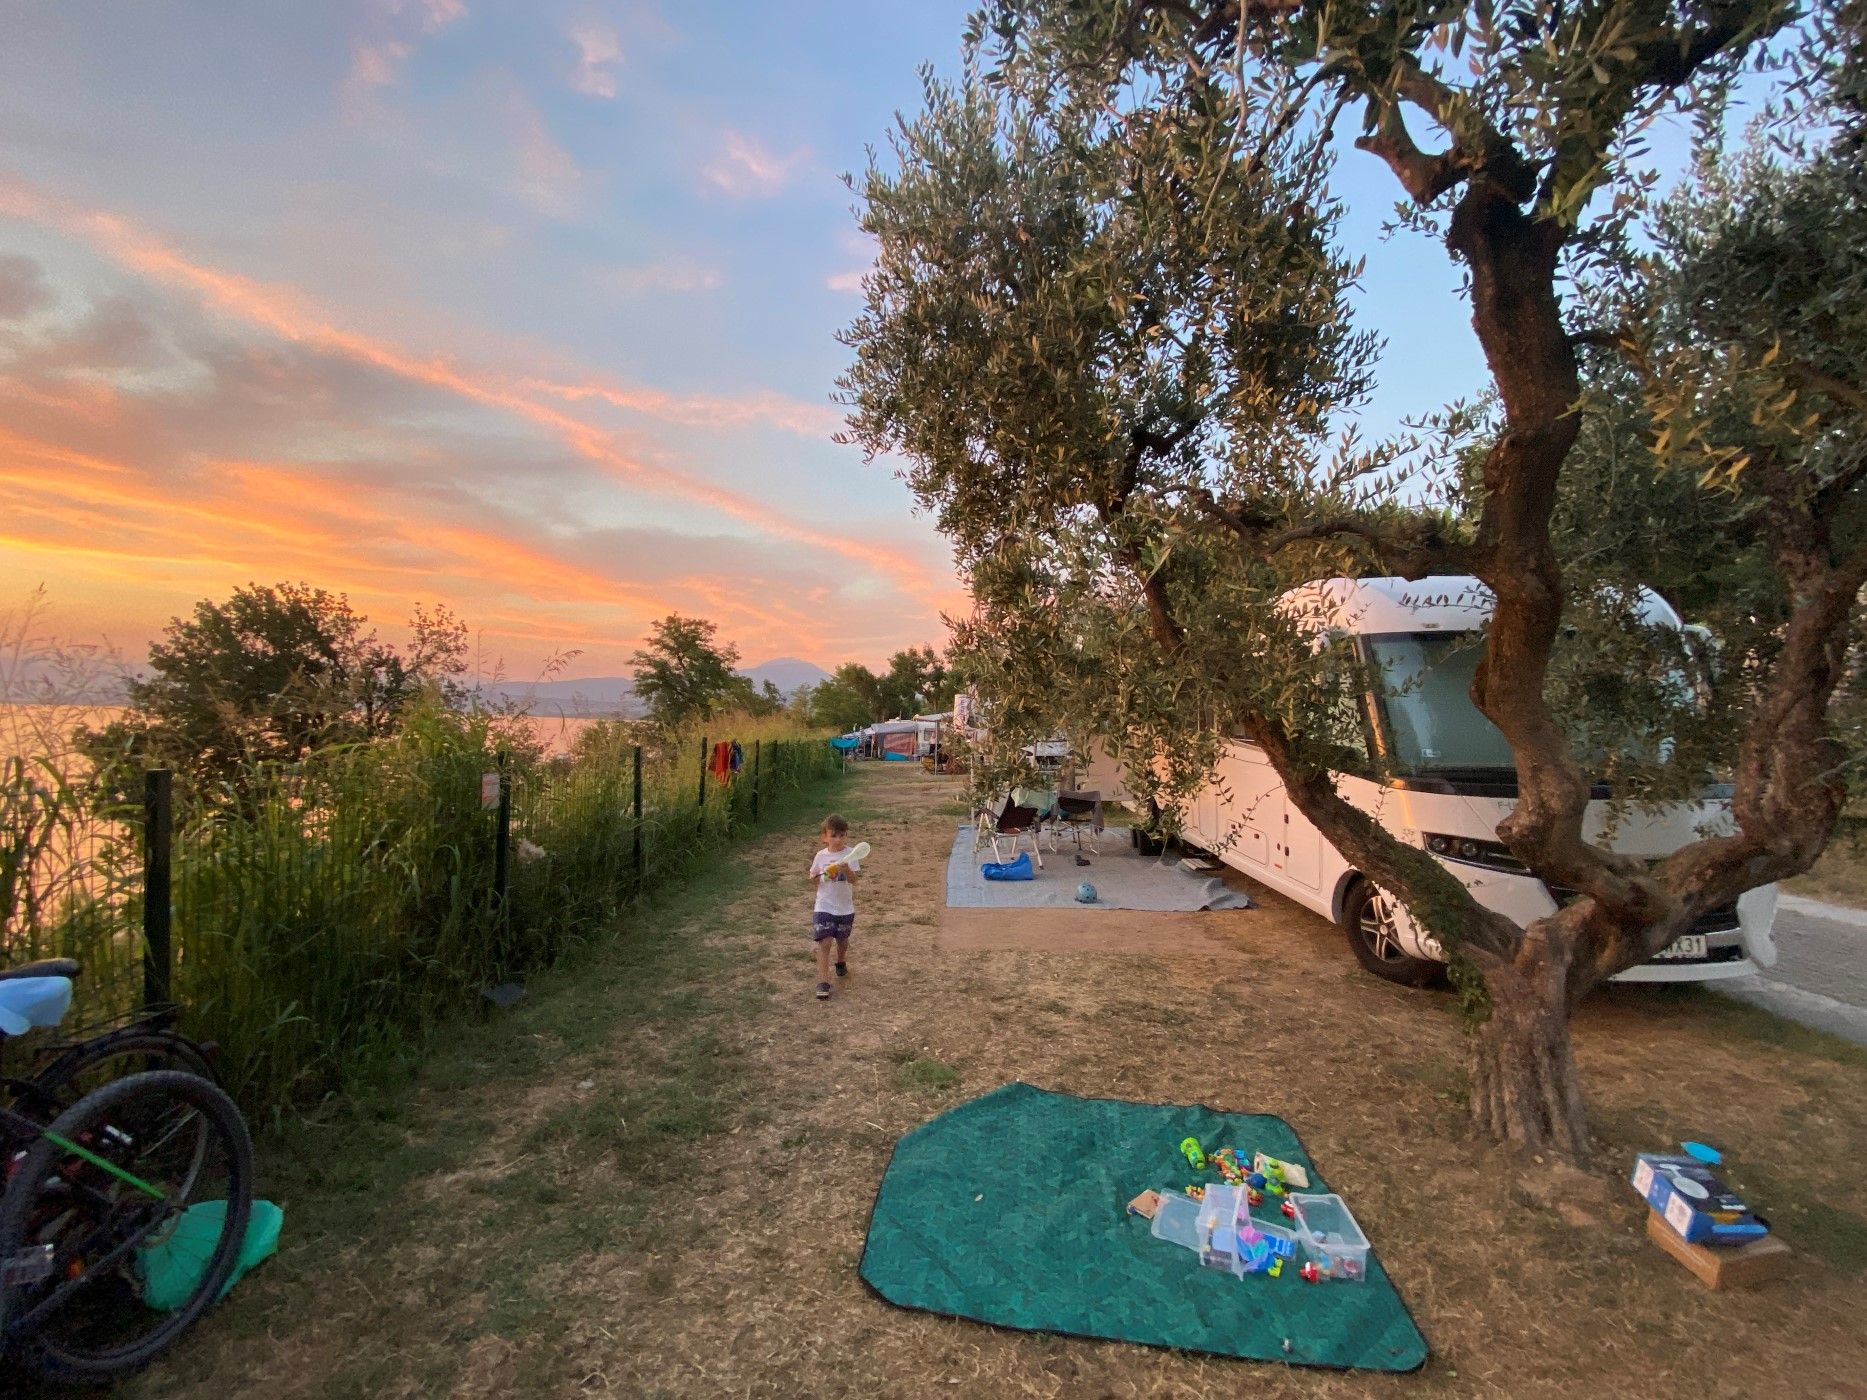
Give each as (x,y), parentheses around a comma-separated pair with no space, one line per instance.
(599,52)
(22,287)
(749,169)
(376,65)
(545,175)
(856,245)
(702,410)
(669,275)
(435,15)
(376,60)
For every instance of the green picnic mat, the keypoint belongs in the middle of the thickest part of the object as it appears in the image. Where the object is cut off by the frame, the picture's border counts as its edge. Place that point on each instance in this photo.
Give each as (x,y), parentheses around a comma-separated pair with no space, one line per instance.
(1012,1210)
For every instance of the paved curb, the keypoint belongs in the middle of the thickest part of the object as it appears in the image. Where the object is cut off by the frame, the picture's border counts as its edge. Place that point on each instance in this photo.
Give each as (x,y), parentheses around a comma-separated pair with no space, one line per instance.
(1817,909)
(1801,1005)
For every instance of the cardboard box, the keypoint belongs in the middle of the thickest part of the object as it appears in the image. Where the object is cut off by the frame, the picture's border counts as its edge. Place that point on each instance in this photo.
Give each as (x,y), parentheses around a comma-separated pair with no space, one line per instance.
(1736,1267)
(1694,1202)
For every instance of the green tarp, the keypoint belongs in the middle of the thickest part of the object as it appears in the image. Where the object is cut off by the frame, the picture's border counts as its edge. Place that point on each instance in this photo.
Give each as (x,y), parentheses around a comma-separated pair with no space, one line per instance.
(1011,1210)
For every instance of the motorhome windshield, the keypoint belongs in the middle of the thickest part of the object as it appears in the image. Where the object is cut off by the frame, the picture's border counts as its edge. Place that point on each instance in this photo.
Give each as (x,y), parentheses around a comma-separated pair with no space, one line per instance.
(1427,709)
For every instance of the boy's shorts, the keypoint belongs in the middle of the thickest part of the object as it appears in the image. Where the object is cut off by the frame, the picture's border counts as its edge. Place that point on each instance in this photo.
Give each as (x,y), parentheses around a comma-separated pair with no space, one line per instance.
(824,926)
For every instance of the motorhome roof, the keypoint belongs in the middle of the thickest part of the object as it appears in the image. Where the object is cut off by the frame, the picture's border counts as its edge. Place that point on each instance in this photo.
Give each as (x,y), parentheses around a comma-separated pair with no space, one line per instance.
(1441,603)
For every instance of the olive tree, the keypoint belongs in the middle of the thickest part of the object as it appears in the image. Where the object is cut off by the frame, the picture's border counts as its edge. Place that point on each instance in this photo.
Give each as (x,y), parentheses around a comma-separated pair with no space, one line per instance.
(1107,330)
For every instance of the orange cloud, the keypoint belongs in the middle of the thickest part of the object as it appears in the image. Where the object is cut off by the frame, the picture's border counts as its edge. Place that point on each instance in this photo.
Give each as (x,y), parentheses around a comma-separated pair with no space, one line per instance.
(285,313)
(123,528)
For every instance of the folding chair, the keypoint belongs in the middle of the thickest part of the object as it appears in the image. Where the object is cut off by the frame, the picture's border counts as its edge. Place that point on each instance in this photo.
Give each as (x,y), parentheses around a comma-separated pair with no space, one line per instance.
(1011,824)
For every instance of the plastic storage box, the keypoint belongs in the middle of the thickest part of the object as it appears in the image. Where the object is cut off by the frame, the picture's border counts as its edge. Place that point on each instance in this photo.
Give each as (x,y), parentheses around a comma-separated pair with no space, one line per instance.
(1262,1244)
(1177,1221)
(1220,1214)
(1331,1238)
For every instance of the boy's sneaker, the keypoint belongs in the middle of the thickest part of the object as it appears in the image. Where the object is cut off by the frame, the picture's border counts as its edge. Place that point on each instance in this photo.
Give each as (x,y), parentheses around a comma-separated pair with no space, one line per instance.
(842,969)
(823,991)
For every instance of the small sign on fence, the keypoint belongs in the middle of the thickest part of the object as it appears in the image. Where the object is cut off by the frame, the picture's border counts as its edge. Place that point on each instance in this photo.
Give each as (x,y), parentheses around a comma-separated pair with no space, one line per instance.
(489,791)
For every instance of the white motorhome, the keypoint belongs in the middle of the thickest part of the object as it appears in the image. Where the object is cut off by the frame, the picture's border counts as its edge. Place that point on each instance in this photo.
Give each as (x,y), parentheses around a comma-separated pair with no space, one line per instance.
(1454,782)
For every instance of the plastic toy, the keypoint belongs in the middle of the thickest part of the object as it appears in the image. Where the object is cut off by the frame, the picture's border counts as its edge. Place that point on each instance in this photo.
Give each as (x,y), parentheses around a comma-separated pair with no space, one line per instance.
(1281,1174)
(1312,1272)
(1085,893)
(1255,1181)
(1700,1152)
(1198,1193)
(1255,1198)
(839,871)
(1275,1270)
(1195,1155)
(1288,1209)
(1225,1162)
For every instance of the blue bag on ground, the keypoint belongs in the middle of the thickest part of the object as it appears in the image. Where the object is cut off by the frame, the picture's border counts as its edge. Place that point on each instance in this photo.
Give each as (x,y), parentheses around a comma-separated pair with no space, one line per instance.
(1019,869)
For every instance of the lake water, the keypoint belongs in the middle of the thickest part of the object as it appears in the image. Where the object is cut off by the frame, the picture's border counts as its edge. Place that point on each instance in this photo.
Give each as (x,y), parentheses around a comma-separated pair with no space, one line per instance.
(28,730)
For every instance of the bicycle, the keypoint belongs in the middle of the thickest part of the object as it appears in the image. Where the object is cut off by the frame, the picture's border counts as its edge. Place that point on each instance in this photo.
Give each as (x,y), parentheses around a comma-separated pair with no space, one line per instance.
(101,1176)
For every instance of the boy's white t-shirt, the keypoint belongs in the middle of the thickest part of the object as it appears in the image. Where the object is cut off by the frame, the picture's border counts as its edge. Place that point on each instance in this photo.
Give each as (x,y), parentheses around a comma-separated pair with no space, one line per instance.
(834,896)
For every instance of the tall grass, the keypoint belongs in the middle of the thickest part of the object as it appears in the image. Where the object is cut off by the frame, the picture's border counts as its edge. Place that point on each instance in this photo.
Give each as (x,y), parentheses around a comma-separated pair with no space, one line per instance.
(344,906)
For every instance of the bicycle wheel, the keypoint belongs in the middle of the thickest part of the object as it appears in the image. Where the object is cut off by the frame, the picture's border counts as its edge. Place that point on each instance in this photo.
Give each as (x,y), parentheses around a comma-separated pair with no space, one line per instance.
(111,1178)
(96,1063)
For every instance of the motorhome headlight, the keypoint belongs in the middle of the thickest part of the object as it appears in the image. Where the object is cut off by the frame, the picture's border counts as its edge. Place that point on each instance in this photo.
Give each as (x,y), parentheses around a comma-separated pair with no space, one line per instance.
(1492,855)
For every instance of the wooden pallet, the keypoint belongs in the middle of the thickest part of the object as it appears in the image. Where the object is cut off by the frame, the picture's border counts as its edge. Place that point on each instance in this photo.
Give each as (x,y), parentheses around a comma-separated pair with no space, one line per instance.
(1736,1267)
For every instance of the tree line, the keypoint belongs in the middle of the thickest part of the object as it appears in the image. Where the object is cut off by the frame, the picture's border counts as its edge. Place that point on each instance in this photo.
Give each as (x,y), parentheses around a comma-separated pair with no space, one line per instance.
(274,672)
(684,673)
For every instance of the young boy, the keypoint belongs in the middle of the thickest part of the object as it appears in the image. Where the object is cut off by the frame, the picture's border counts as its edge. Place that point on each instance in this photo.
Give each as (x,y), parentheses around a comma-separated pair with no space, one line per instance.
(835,876)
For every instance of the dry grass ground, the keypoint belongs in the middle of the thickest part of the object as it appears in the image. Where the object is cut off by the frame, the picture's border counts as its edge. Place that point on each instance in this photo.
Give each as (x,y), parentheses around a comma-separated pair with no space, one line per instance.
(654,1178)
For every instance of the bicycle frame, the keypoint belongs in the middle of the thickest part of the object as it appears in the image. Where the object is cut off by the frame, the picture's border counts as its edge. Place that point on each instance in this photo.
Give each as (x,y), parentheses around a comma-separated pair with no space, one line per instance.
(20,1132)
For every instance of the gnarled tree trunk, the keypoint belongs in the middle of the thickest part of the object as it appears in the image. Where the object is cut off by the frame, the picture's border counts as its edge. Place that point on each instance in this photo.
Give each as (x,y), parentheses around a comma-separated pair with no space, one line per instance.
(1524,1088)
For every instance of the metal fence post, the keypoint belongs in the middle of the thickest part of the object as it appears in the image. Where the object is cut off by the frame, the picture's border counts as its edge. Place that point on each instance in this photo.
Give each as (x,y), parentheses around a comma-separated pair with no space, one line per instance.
(703,776)
(638,818)
(158,883)
(502,837)
(757,746)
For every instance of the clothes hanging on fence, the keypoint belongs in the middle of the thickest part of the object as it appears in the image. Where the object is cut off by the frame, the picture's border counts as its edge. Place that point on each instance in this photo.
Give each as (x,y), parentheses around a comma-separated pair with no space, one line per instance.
(739,756)
(721,765)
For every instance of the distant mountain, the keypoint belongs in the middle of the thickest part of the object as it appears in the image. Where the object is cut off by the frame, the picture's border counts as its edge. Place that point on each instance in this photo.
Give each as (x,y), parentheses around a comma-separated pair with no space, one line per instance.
(615,695)
(787,673)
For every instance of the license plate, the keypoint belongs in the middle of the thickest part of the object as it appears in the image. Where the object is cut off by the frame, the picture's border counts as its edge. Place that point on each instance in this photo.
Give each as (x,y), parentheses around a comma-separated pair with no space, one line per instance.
(1686,946)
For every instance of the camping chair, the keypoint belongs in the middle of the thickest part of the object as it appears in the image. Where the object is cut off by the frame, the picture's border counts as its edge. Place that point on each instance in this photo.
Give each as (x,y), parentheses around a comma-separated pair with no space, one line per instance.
(1011,824)
(1080,814)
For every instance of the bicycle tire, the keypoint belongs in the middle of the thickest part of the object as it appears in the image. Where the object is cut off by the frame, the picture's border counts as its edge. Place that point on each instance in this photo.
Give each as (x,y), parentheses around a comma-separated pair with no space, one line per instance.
(172,1049)
(40,1167)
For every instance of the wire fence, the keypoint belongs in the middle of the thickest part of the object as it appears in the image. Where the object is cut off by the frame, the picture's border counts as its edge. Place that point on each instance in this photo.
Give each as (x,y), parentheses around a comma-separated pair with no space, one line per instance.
(330,911)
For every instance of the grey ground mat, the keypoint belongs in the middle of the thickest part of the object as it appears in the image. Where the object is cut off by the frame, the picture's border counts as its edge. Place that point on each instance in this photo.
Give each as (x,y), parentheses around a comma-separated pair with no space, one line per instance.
(1123,877)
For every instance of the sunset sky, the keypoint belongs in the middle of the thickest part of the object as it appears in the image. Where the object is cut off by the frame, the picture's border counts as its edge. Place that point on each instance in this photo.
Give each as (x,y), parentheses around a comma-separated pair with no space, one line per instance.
(527,308)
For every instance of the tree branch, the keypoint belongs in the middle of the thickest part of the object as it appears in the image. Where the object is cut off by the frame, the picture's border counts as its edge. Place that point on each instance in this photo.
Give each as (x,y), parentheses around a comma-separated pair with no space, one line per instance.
(1496,158)
(1423,177)
(1409,554)
(1459,921)
(1820,381)
(1674,60)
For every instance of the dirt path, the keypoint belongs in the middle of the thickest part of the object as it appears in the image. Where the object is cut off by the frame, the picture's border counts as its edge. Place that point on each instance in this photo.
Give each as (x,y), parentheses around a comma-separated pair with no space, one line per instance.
(655,1178)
